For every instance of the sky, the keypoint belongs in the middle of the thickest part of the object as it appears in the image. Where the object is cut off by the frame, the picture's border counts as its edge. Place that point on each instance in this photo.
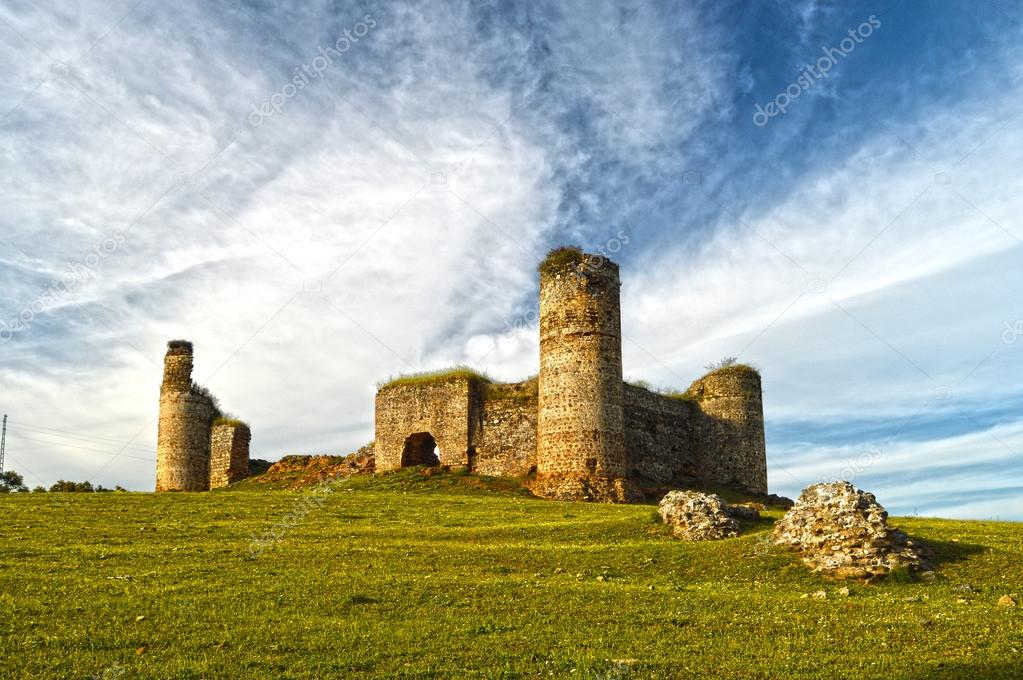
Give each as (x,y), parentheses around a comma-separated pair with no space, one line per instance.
(321,195)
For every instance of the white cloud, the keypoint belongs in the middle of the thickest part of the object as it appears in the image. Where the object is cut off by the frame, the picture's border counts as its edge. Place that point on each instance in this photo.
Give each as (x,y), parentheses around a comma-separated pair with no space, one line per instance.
(387,220)
(390,218)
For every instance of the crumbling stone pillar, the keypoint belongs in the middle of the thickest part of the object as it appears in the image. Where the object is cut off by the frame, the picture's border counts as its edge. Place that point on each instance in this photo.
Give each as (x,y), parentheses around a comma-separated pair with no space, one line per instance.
(186,416)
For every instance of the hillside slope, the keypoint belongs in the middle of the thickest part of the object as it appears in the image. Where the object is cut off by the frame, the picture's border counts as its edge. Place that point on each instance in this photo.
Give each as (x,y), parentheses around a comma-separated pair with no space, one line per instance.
(359,580)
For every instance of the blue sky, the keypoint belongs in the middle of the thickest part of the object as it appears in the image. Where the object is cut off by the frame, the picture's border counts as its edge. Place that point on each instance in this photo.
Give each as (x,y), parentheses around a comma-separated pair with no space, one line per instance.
(165,176)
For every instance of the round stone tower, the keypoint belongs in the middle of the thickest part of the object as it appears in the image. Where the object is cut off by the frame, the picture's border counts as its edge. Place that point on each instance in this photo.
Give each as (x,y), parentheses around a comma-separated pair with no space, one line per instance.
(186,418)
(733,450)
(581,423)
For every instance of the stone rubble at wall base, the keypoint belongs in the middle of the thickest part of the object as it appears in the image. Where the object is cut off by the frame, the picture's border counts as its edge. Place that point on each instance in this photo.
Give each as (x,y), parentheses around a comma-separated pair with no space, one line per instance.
(585,488)
(843,532)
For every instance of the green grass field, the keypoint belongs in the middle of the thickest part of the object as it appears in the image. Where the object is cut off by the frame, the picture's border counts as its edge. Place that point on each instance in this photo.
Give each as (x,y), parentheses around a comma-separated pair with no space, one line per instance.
(404,576)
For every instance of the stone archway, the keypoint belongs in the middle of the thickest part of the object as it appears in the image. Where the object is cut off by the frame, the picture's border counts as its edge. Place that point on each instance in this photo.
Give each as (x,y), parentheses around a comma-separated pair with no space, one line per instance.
(420,449)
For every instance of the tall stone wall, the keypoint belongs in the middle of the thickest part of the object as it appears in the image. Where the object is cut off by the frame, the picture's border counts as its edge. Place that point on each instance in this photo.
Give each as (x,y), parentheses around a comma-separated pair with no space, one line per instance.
(581,423)
(229,454)
(661,436)
(506,445)
(731,436)
(447,409)
(183,434)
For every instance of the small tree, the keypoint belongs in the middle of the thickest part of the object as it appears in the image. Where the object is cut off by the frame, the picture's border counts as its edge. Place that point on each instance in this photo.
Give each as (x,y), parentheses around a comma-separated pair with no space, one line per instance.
(12,481)
(724,363)
(71,487)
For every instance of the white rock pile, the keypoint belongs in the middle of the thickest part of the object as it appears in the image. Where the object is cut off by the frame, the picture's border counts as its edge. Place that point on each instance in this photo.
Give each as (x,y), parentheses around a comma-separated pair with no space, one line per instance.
(843,532)
(695,516)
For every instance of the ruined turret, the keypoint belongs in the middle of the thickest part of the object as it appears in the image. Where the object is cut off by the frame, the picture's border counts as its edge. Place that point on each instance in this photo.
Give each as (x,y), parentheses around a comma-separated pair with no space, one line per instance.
(731,436)
(186,418)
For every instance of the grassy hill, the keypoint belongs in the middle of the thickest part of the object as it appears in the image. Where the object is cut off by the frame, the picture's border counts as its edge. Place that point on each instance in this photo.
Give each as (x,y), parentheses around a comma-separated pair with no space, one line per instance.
(410,576)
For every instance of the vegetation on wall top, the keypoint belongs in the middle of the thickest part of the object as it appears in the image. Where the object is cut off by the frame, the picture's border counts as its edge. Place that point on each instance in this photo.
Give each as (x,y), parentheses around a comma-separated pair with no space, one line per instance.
(204,392)
(230,420)
(521,391)
(726,366)
(183,345)
(733,368)
(429,377)
(562,260)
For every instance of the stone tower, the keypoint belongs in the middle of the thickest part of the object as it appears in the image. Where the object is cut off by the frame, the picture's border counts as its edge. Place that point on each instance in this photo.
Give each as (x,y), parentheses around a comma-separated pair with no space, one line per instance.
(731,440)
(186,418)
(580,420)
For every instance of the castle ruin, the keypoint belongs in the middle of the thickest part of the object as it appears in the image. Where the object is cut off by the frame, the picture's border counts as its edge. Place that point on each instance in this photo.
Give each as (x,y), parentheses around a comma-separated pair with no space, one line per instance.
(197,448)
(586,433)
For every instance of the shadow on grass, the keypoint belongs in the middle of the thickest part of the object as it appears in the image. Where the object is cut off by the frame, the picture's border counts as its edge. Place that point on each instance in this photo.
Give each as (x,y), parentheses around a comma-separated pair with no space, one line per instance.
(937,671)
(946,552)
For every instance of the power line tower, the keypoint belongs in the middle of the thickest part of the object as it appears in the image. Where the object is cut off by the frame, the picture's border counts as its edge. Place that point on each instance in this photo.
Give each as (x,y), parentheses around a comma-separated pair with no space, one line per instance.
(3,444)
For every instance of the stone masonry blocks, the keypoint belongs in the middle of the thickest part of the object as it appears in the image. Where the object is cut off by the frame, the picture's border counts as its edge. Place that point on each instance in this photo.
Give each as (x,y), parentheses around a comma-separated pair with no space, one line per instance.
(581,421)
(229,454)
(732,444)
(449,410)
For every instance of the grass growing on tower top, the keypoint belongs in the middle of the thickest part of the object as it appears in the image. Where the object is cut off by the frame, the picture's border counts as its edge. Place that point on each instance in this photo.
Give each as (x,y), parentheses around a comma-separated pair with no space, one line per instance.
(179,345)
(562,260)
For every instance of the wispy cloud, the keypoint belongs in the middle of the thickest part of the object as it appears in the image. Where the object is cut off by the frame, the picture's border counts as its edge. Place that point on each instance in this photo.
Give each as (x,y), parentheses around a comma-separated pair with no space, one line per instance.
(390,216)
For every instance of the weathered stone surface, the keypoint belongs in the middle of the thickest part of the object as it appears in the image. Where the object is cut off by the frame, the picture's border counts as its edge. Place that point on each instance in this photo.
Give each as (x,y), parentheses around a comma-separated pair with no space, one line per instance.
(733,450)
(585,488)
(448,410)
(661,436)
(695,516)
(229,454)
(506,443)
(843,532)
(777,501)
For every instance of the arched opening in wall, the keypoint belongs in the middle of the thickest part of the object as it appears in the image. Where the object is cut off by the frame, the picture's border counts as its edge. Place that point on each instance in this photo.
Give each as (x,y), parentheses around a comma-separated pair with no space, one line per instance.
(420,449)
